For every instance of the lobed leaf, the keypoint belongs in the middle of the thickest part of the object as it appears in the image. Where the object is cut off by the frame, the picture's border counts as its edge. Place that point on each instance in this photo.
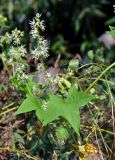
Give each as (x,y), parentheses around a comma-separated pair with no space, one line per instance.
(29,104)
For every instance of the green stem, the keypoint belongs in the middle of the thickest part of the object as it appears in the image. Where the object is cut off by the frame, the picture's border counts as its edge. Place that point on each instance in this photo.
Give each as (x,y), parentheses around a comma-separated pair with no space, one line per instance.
(8,110)
(22,153)
(6,66)
(29,91)
(92,64)
(92,84)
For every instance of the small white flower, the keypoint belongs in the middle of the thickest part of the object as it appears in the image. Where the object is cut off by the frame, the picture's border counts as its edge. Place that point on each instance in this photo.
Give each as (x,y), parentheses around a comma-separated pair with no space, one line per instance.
(42,25)
(24,76)
(22,50)
(19,67)
(40,67)
(38,15)
(48,75)
(34,33)
(45,104)
(10,60)
(32,23)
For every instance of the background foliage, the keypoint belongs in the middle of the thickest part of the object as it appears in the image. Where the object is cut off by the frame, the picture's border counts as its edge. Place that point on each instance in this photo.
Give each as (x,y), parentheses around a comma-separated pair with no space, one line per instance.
(79,52)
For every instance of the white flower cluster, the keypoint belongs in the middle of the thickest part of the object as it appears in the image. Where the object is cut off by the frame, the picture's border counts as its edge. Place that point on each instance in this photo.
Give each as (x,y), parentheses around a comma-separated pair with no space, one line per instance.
(3,20)
(40,67)
(22,50)
(16,36)
(19,73)
(5,39)
(17,52)
(19,67)
(15,55)
(36,24)
(41,51)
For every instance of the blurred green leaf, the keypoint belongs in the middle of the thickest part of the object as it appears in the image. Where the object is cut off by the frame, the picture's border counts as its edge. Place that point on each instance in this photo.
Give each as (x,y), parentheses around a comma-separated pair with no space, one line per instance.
(99,13)
(110,21)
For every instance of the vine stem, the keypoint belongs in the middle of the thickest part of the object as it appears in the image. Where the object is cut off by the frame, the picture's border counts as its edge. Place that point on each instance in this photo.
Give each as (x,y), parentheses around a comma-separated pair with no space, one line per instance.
(7,111)
(92,84)
(97,128)
(20,153)
(7,69)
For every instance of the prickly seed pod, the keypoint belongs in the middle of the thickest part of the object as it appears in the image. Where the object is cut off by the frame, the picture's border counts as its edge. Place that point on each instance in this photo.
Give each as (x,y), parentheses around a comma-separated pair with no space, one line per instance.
(91,54)
(62,133)
(74,64)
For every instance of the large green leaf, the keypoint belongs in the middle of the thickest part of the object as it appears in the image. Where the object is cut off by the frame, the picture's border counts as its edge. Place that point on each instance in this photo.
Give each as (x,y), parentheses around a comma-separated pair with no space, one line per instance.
(112,31)
(58,107)
(68,109)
